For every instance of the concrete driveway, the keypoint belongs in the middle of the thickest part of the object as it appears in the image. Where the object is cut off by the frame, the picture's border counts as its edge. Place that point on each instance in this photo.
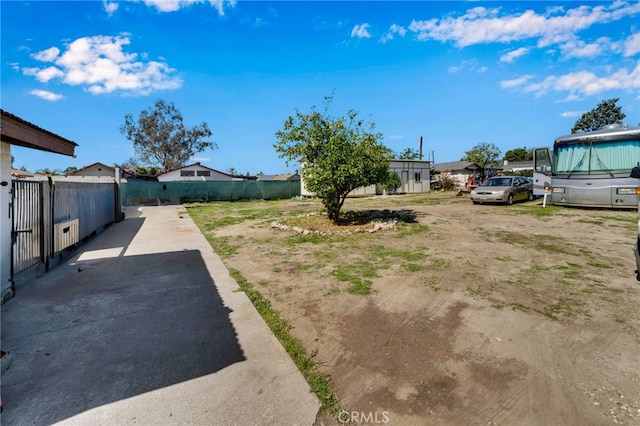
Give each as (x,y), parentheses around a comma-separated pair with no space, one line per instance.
(144,325)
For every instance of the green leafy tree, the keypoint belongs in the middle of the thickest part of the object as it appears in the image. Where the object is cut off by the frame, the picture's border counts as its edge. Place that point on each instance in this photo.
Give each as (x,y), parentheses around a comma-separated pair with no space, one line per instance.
(339,154)
(146,170)
(519,154)
(408,154)
(161,139)
(482,154)
(607,112)
(393,182)
(70,169)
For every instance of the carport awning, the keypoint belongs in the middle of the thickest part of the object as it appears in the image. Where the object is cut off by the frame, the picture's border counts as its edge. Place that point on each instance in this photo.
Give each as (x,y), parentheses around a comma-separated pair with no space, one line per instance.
(17,131)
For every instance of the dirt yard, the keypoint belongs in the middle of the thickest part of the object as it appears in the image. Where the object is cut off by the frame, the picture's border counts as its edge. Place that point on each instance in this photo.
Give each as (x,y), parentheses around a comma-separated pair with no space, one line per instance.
(463,314)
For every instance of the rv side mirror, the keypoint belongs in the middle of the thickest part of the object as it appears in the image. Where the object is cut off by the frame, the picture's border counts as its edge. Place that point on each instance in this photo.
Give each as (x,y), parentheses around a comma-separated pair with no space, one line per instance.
(635,172)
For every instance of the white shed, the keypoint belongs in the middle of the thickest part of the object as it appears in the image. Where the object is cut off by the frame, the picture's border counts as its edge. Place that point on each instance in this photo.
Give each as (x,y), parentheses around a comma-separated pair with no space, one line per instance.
(415,176)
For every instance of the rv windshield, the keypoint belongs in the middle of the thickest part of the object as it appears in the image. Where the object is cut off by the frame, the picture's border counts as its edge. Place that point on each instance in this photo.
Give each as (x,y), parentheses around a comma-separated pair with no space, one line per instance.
(600,157)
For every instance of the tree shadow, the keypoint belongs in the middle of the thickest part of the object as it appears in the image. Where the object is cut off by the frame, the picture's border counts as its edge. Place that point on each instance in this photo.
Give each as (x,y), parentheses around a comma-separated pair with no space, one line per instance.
(364,217)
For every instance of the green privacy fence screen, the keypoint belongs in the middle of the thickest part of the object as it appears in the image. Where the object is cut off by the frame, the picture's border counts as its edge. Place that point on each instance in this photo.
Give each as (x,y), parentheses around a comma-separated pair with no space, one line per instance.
(142,192)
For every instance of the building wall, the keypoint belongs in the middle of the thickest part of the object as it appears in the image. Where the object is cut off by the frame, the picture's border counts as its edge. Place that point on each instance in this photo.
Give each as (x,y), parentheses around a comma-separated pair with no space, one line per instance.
(175,175)
(5,213)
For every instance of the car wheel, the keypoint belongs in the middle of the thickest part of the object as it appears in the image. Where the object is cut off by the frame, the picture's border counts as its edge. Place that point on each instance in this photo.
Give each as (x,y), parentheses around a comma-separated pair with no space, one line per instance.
(510,199)
(530,196)
(475,202)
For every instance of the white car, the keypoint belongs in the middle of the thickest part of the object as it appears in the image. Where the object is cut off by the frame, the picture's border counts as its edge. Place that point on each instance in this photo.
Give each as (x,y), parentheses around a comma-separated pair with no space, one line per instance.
(503,189)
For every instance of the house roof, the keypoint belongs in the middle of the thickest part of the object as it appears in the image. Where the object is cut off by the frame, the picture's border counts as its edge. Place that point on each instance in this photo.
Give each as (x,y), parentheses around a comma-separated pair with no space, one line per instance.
(207,168)
(79,171)
(288,176)
(410,161)
(17,131)
(21,173)
(456,165)
(510,165)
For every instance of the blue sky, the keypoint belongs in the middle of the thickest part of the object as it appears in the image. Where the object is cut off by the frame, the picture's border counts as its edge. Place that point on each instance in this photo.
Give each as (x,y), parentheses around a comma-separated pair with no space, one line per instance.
(515,74)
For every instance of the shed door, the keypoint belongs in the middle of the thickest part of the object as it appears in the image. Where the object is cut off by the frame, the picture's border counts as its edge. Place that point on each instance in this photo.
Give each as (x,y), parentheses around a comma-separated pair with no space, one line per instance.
(405,181)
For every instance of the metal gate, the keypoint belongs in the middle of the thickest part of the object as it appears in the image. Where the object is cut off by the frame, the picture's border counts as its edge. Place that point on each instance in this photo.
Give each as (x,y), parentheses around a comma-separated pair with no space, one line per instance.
(27,230)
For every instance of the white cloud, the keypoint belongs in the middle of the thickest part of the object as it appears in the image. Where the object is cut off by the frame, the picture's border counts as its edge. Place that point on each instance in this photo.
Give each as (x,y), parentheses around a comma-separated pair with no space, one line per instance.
(110,7)
(514,54)
(580,49)
(468,65)
(361,31)
(100,65)
(48,55)
(632,45)
(571,114)
(394,29)
(46,95)
(516,82)
(398,29)
(482,25)
(43,75)
(175,5)
(585,83)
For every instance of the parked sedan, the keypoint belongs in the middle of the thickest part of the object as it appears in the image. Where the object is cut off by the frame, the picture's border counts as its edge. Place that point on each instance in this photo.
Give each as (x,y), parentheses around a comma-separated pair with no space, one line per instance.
(503,189)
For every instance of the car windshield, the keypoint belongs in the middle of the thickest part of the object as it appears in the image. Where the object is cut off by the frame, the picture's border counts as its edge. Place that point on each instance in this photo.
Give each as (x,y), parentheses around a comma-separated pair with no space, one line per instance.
(499,182)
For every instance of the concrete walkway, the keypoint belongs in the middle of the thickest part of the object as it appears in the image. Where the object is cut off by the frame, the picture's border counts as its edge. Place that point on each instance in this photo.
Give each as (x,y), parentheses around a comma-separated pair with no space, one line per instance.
(145,326)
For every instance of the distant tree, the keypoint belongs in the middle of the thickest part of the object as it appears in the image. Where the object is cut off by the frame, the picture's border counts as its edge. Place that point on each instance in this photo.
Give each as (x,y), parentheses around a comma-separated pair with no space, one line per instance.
(340,154)
(519,154)
(607,112)
(232,171)
(131,163)
(51,172)
(12,159)
(161,139)
(69,169)
(146,171)
(482,154)
(408,154)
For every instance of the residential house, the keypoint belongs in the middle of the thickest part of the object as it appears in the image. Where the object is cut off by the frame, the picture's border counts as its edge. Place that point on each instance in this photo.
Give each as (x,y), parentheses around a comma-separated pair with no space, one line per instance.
(287,176)
(461,171)
(198,172)
(517,166)
(16,131)
(21,174)
(95,170)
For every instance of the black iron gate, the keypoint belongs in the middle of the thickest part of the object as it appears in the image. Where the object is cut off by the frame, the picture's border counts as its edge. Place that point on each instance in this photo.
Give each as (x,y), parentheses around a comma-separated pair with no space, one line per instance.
(27,230)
